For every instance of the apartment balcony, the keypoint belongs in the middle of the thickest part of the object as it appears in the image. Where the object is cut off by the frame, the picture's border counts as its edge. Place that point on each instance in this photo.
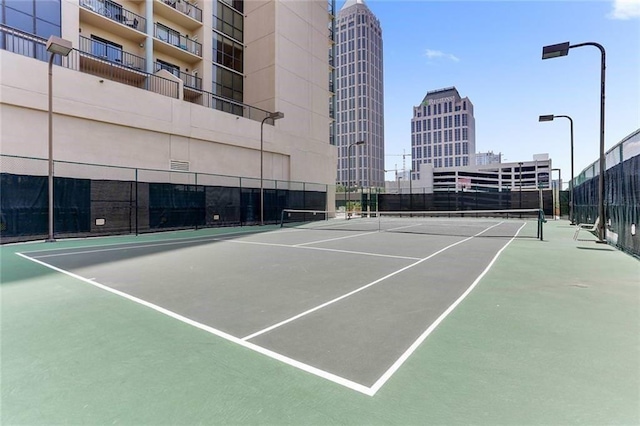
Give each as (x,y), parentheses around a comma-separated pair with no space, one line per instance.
(176,45)
(99,52)
(103,60)
(180,12)
(192,84)
(114,18)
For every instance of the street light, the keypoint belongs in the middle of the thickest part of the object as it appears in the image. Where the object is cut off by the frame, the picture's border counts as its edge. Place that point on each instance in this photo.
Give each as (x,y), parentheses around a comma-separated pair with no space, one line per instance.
(550,118)
(562,49)
(349,173)
(520,164)
(273,116)
(62,47)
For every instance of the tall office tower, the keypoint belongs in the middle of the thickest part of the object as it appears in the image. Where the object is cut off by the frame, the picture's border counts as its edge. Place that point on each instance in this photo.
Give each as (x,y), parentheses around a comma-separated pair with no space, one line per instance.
(359,96)
(173,85)
(442,131)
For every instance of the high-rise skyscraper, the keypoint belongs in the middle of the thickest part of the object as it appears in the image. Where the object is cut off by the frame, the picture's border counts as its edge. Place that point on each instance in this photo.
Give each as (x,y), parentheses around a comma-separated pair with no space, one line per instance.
(359,96)
(443,131)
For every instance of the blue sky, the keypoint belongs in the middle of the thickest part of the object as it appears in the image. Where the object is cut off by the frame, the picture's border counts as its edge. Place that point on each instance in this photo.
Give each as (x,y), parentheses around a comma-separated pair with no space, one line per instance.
(491,52)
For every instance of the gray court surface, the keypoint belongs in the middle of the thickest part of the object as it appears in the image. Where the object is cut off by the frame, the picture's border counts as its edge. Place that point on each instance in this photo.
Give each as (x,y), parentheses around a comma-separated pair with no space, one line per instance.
(345,305)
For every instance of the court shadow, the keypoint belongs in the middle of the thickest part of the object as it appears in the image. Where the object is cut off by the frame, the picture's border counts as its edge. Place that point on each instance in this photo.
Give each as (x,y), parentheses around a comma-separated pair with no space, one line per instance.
(595,248)
(16,263)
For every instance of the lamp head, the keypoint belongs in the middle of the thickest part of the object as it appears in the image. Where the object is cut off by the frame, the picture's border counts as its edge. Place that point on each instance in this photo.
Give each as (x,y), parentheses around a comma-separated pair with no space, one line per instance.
(555,50)
(546,117)
(360,143)
(276,115)
(60,46)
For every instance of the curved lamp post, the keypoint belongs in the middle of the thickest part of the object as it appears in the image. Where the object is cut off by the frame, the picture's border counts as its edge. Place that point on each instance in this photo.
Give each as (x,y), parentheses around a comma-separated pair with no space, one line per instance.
(62,47)
(550,118)
(273,116)
(562,49)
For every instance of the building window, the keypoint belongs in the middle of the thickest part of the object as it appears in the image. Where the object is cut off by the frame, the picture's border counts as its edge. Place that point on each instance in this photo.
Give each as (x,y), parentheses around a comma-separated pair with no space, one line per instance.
(168,35)
(106,49)
(41,18)
(227,83)
(228,21)
(227,52)
(173,69)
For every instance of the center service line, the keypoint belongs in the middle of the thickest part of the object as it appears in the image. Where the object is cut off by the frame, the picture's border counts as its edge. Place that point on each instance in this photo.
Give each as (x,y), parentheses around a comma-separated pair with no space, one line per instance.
(330,302)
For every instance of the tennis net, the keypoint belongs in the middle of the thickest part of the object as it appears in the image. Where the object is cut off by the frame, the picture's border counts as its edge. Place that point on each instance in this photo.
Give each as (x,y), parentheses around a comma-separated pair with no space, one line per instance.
(522,223)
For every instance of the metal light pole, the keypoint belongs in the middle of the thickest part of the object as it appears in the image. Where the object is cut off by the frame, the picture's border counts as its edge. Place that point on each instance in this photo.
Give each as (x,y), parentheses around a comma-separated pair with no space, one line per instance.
(520,186)
(349,174)
(550,118)
(562,49)
(62,47)
(273,116)
(557,197)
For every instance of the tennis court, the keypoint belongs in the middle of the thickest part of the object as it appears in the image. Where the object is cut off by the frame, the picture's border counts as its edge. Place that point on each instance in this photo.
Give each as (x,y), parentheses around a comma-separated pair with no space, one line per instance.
(317,314)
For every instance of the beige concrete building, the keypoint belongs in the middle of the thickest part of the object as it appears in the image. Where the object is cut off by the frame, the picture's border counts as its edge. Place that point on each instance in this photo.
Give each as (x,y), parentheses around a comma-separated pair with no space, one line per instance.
(164,84)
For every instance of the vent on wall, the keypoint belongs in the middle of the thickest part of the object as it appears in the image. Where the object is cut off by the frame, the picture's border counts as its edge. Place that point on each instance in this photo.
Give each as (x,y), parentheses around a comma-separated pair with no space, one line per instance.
(181,166)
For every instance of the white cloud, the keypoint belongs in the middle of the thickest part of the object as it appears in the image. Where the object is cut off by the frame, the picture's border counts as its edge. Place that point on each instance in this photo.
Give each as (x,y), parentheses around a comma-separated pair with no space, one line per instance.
(625,9)
(435,54)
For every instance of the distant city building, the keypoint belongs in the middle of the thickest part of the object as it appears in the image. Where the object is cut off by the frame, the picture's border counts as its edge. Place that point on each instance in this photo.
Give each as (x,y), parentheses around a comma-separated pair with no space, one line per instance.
(359,96)
(443,131)
(485,158)
(497,177)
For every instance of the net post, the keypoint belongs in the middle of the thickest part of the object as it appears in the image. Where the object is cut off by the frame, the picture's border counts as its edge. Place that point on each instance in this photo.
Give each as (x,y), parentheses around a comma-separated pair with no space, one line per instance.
(282,218)
(541,221)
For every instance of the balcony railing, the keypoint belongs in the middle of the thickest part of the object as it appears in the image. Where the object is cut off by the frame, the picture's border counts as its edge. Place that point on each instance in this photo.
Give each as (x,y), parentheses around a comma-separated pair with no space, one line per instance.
(111,53)
(220,103)
(115,12)
(191,81)
(174,38)
(25,44)
(186,8)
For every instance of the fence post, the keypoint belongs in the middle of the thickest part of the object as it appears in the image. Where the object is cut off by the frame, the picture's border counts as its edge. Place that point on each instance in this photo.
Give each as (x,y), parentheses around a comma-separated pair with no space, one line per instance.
(240,189)
(205,201)
(136,203)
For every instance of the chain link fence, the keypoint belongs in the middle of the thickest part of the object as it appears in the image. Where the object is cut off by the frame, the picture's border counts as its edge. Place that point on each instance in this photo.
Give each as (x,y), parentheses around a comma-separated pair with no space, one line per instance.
(92,199)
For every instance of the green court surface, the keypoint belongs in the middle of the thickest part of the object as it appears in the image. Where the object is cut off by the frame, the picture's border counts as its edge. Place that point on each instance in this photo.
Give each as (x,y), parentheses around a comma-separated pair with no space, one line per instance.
(549,335)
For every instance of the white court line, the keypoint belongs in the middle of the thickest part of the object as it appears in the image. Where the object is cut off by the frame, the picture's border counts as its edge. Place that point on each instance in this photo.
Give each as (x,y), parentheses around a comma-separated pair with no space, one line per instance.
(334,239)
(226,240)
(302,366)
(136,245)
(396,365)
(330,302)
(370,391)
